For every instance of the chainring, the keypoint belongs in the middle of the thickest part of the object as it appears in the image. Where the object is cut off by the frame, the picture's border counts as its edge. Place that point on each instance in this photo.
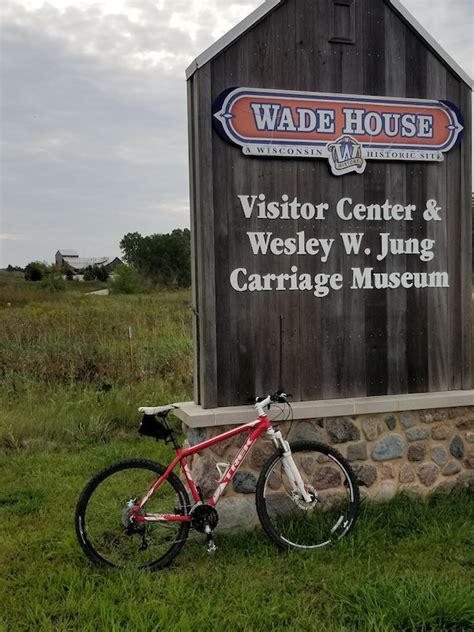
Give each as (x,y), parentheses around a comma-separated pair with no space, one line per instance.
(204,516)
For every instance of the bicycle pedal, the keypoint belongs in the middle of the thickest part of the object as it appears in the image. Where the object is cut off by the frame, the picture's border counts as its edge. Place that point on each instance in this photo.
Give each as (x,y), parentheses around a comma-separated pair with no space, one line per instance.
(211,547)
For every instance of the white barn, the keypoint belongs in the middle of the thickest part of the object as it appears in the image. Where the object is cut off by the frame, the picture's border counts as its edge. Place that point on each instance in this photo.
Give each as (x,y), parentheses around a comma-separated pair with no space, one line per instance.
(79,264)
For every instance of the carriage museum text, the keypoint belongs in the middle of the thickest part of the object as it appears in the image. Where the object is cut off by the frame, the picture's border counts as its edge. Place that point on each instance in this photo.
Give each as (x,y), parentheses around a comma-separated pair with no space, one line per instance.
(353,244)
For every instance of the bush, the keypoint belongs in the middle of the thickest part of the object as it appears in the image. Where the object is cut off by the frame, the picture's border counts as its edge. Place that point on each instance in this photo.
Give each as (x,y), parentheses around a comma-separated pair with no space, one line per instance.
(89,274)
(126,280)
(36,271)
(99,273)
(53,283)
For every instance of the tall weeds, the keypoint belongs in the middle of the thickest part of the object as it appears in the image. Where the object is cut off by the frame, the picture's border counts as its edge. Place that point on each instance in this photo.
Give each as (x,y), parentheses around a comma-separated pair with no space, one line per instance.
(65,371)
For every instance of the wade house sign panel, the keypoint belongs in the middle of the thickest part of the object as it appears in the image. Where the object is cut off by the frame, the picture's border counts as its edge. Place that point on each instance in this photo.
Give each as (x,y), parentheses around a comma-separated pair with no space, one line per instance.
(330,162)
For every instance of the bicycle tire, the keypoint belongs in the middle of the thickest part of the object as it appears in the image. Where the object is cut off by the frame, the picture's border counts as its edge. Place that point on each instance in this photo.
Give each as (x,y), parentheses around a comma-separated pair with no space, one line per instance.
(100,521)
(325,472)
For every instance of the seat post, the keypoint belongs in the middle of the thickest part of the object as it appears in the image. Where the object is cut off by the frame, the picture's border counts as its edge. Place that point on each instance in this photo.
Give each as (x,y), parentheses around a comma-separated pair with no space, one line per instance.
(164,417)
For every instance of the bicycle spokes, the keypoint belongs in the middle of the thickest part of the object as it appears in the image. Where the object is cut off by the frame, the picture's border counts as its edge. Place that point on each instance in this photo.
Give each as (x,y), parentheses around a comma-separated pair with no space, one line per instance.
(290,518)
(110,528)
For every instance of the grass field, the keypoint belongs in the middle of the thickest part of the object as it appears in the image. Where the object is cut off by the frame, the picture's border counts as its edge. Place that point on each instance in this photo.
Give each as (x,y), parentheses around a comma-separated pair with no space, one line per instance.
(65,371)
(407,566)
(68,399)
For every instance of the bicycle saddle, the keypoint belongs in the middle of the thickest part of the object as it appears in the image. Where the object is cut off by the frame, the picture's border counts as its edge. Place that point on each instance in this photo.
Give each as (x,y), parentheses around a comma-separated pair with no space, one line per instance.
(155,410)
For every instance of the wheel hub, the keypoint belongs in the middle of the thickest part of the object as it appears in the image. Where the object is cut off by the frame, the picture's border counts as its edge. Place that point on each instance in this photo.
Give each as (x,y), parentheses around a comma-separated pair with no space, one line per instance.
(301,502)
(128,522)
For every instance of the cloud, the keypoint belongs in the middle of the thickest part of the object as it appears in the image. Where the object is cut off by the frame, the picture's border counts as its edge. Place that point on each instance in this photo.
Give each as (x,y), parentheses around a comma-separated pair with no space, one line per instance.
(451,24)
(96,140)
(94,113)
(13,237)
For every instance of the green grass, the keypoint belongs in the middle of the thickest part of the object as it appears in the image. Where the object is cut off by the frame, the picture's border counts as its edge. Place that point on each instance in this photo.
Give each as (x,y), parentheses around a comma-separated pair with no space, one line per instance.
(407,566)
(65,372)
(68,399)
(15,292)
(66,376)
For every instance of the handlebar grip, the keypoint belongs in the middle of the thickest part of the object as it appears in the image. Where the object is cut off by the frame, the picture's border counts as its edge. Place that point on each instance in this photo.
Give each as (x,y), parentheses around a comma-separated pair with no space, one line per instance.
(279,396)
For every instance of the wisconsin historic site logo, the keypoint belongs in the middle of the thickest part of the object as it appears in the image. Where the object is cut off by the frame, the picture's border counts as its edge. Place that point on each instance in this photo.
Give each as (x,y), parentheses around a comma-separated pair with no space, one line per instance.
(345,155)
(347,130)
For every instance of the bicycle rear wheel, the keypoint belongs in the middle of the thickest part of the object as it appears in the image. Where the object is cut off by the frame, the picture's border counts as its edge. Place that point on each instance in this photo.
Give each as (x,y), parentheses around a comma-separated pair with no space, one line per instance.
(102,526)
(291,522)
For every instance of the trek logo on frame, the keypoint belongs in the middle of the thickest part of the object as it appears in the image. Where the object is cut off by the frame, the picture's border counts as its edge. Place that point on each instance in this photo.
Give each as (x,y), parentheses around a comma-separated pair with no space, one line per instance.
(347,130)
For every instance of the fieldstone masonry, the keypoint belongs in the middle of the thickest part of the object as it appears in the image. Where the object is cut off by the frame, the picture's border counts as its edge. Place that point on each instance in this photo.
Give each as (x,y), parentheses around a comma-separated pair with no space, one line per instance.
(419,453)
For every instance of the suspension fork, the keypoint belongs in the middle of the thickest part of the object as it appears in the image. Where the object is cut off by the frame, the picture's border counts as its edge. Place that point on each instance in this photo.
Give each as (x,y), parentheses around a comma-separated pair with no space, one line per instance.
(289,464)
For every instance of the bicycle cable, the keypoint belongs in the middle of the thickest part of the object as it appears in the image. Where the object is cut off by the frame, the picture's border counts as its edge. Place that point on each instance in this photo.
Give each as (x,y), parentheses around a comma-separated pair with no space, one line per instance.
(290,414)
(284,409)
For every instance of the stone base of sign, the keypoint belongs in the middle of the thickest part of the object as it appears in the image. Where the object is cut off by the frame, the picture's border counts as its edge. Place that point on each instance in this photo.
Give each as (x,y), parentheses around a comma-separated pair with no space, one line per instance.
(419,451)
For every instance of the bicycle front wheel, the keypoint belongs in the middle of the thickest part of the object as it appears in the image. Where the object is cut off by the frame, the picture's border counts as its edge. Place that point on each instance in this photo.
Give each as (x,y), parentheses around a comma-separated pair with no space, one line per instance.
(287,518)
(104,530)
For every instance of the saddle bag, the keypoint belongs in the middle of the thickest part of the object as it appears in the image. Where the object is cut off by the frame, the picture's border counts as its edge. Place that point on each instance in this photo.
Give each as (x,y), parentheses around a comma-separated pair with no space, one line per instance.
(150,426)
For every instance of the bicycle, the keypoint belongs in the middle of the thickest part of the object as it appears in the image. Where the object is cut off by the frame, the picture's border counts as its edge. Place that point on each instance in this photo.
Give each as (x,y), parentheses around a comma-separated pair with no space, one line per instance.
(137,513)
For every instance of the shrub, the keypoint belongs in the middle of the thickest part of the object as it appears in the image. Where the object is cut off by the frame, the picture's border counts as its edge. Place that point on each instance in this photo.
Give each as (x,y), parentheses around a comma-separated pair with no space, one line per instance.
(89,274)
(99,273)
(35,271)
(53,283)
(126,280)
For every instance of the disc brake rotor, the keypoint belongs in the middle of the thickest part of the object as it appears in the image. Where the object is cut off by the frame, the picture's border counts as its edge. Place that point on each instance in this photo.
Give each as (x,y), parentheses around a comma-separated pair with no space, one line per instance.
(301,502)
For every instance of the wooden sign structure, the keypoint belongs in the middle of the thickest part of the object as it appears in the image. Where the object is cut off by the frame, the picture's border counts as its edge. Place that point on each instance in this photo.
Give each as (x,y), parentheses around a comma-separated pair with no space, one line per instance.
(330,159)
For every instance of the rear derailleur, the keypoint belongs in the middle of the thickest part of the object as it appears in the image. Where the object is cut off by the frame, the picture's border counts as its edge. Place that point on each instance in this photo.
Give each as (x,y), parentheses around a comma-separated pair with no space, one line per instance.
(132,527)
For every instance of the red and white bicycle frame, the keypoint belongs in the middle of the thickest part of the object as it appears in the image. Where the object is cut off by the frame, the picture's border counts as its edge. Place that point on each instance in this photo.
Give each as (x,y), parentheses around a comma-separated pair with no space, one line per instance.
(255,428)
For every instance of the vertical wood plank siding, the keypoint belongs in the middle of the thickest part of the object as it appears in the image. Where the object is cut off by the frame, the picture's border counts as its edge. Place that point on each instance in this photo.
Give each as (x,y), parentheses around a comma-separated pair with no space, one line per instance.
(417,337)
(192,147)
(465,211)
(438,305)
(203,212)
(352,342)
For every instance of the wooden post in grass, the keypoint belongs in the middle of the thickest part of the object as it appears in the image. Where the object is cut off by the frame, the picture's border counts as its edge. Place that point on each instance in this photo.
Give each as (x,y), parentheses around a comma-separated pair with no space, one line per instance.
(130,349)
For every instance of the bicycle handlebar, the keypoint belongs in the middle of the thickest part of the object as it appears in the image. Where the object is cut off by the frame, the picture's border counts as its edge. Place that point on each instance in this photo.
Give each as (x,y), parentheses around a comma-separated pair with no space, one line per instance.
(279,397)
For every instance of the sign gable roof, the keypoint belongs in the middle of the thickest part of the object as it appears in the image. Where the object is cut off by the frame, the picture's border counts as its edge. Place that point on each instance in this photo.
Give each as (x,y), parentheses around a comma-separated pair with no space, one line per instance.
(269,5)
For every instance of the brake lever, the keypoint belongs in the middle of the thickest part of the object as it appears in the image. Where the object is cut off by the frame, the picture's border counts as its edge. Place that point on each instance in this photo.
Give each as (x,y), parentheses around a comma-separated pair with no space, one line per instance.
(281,397)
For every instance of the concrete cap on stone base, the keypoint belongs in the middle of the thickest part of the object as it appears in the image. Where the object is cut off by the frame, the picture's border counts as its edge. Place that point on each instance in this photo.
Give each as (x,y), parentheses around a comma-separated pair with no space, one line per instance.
(195,416)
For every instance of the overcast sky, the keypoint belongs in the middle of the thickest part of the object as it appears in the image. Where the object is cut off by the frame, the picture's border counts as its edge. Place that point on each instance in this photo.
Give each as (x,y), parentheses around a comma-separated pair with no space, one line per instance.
(93,120)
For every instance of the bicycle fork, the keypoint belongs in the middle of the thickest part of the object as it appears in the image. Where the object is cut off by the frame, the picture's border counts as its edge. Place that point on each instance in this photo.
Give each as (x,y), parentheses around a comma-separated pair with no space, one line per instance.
(289,465)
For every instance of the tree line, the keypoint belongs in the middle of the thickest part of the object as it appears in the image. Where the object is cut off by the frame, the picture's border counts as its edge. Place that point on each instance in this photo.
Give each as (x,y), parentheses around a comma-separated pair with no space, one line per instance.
(157,260)
(39,270)
(161,259)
